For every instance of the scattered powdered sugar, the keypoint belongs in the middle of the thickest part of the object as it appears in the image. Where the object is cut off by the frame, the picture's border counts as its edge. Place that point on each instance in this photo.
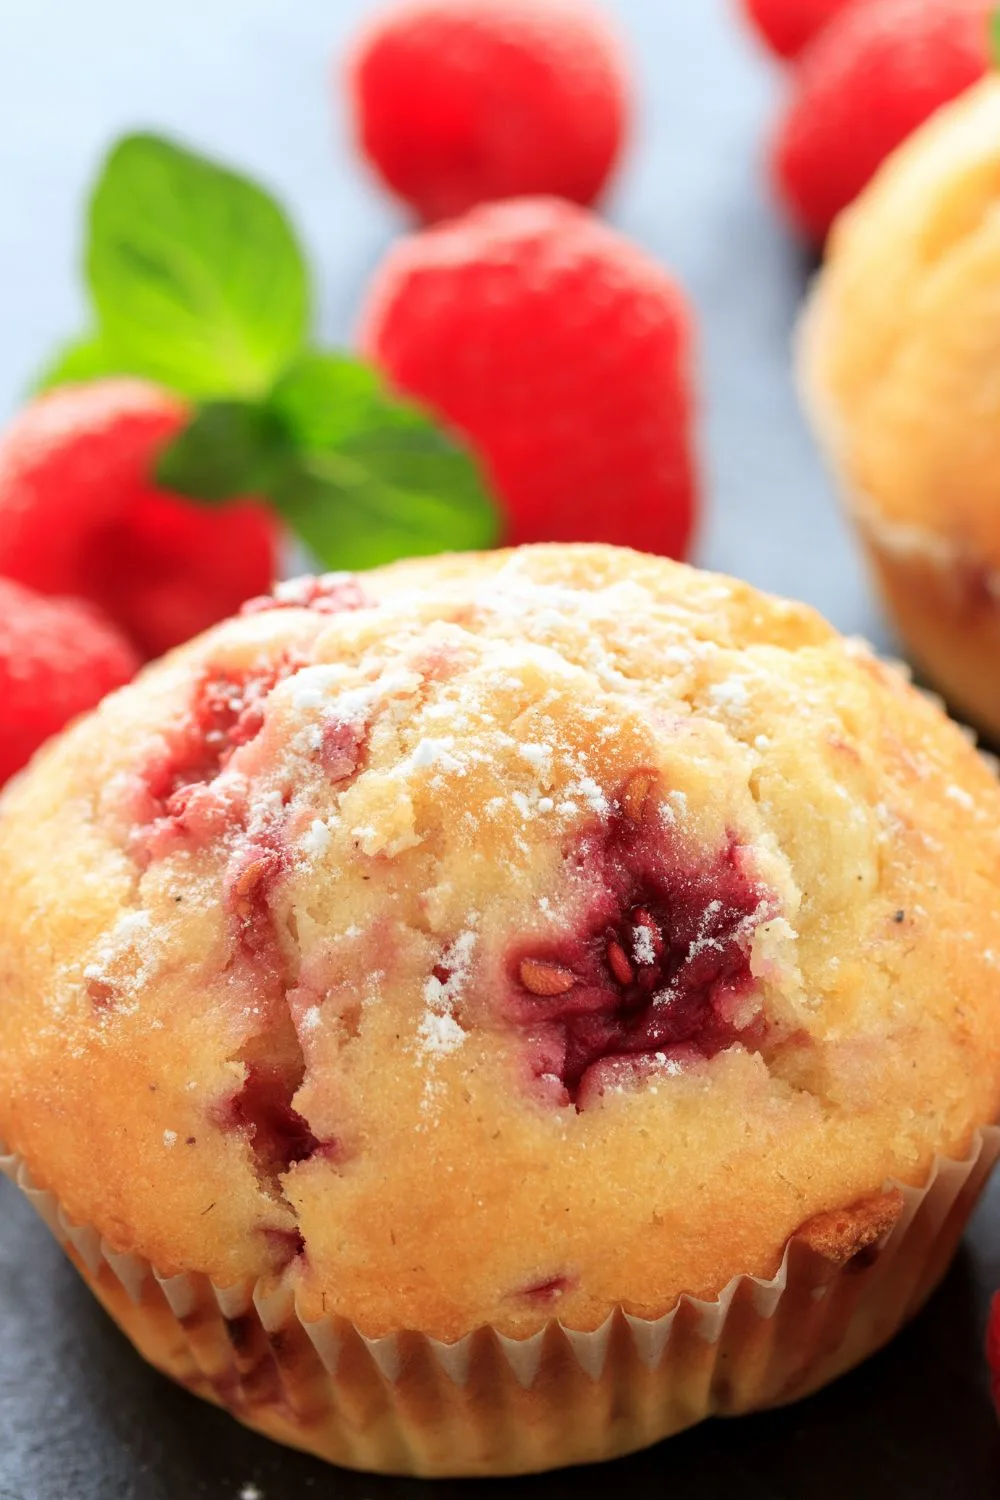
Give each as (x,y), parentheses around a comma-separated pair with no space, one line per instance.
(457,962)
(539,756)
(355,704)
(643,950)
(170,1138)
(316,840)
(266,812)
(730,697)
(311,1019)
(312,686)
(962,797)
(440,1034)
(127,958)
(433,752)
(703,941)
(587,788)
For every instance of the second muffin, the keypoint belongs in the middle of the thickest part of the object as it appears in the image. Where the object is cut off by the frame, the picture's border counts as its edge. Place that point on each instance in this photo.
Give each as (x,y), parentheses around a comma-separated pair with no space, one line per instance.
(901,374)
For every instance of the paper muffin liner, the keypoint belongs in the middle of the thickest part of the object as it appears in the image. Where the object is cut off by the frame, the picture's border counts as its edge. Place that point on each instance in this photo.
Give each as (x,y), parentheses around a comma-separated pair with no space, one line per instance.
(945,606)
(490,1404)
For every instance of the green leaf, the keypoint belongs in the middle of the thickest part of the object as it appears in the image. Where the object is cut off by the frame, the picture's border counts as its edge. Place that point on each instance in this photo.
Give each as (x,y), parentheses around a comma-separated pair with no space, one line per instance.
(995,36)
(229,448)
(327,398)
(84,359)
(350,517)
(196,274)
(377,478)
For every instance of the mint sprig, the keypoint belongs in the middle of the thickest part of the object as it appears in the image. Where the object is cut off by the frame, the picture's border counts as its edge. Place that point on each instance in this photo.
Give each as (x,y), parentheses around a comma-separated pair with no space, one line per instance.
(197,282)
(359,475)
(995,36)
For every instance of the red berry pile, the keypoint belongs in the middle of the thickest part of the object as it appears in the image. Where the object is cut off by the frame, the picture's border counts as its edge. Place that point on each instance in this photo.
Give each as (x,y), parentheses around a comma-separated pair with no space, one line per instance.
(80,514)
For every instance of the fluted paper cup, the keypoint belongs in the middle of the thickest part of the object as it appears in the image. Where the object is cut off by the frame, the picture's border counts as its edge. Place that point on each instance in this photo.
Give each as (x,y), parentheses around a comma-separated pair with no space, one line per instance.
(489,1404)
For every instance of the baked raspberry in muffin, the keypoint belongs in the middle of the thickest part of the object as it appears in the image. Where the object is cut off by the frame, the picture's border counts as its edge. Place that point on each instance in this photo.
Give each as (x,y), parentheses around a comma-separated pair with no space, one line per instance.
(432,996)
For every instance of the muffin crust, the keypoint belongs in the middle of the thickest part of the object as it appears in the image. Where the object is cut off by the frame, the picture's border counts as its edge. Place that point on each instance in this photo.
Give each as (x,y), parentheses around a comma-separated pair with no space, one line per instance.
(488,940)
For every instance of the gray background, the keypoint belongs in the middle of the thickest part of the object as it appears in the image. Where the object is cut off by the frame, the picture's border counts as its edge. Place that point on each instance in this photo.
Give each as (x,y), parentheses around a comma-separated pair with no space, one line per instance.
(250,80)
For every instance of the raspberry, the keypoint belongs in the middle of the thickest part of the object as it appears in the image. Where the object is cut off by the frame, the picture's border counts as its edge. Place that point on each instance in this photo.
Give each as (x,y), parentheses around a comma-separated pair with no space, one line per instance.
(58,657)
(261,1110)
(81,515)
(875,74)
(657,969)
(993,1348)
(562,351)
(789,25)
(463,101)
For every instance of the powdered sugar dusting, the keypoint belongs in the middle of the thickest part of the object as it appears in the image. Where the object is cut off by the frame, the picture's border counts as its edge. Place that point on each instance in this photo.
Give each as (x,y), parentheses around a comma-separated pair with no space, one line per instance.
(440,1034)
(730,697)
(125,961)
(587,789)
(643,950)
(439,1031)
(316,840)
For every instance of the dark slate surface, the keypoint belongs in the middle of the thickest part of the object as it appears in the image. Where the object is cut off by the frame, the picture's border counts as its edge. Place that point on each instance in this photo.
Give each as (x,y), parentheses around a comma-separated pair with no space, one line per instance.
(81,1418)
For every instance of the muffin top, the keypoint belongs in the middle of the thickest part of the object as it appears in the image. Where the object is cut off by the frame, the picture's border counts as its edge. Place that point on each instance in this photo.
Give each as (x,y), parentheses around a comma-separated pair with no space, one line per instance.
(490,939)
(901,344)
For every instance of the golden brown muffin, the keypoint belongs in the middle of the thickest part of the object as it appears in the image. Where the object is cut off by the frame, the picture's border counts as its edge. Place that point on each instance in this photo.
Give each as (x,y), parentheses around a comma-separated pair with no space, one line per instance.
(427,963)
(901,367)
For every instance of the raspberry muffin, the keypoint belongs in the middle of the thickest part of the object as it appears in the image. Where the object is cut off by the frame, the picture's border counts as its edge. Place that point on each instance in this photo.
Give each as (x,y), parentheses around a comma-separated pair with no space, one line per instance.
(493,1012)
(900,353)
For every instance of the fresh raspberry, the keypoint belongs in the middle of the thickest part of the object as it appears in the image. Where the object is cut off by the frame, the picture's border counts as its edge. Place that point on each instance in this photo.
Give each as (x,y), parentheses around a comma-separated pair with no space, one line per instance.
(789,25)
(869,79)
(462,101)
(993,1348)
(80,515)
(58,657)
(563,352)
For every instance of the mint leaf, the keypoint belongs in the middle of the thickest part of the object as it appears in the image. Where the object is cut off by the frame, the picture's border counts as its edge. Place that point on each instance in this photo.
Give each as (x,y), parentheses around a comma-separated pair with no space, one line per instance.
(196,274)
(229,448)
(85,359)
(327,398)
(377,477)
(362,477)
(995,36)
(349,516)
